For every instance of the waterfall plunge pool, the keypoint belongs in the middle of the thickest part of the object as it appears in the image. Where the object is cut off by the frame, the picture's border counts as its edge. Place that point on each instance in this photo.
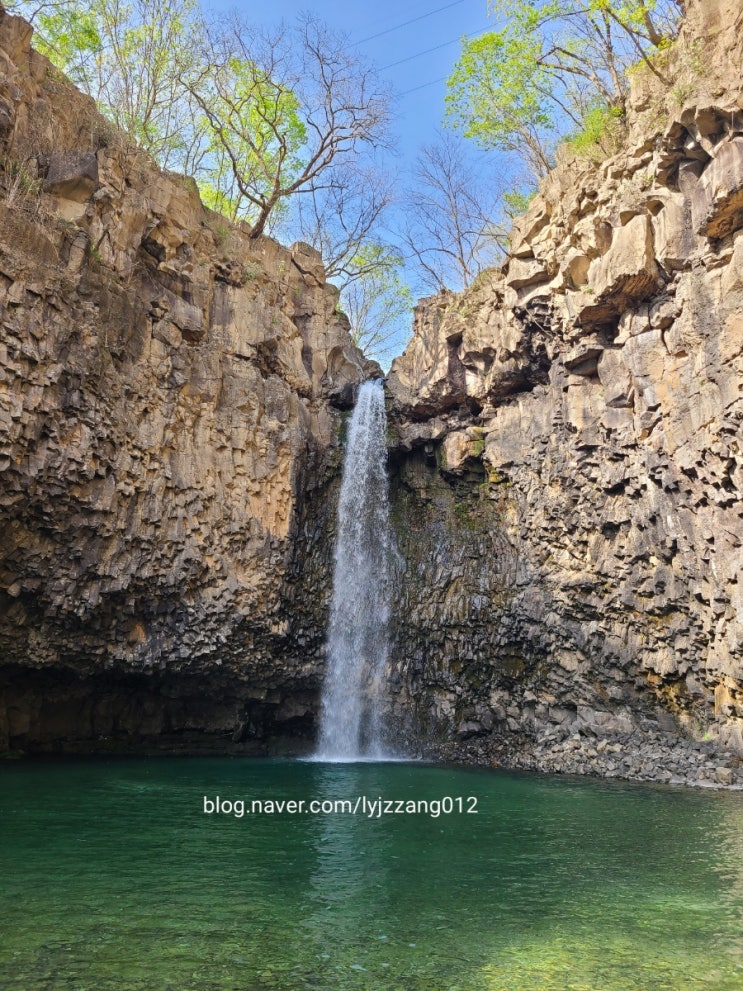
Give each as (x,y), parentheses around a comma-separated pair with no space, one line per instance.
(114,879)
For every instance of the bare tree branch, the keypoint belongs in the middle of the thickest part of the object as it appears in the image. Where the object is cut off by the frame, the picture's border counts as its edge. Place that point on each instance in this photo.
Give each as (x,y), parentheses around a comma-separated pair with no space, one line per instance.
(341,215)
(449,230)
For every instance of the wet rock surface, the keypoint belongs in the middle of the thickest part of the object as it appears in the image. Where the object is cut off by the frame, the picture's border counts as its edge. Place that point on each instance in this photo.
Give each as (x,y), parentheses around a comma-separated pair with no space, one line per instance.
(642,756)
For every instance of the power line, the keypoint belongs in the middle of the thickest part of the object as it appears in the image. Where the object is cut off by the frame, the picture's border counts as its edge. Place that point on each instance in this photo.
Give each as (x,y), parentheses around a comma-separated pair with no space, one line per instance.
(436,48)
(410,58)
(411,21)
(423,86)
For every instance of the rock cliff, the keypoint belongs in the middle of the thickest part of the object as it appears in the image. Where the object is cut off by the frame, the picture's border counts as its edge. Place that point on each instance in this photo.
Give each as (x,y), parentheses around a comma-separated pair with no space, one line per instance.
(566,461)
(568,444)
(170,397)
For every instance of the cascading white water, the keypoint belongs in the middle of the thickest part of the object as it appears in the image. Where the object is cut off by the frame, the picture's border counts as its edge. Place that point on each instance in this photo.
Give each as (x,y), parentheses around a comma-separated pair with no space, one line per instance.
(353,694)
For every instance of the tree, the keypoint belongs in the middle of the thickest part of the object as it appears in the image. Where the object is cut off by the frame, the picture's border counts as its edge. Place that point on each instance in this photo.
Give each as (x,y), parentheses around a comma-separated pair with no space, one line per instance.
(519,89)
(255,116)
(377,302)
(342,216)
(29,10)
(451,228)
(255,136)
(130,56)
(284,109)
(342,220)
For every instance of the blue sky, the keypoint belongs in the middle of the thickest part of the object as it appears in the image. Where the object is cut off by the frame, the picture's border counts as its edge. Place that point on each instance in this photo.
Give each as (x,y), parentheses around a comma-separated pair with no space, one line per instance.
(414,44)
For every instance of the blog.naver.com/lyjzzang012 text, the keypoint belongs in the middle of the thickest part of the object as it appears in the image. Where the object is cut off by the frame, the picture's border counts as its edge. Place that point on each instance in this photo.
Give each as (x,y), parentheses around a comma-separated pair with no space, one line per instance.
(359,805)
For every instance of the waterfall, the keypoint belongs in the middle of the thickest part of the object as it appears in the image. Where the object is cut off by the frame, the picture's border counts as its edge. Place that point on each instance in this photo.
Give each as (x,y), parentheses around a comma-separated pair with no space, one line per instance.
(353,694)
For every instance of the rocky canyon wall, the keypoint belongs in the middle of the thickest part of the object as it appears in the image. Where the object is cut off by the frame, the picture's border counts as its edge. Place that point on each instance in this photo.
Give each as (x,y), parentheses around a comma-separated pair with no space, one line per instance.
(170,395)
(566,463)
(568,445)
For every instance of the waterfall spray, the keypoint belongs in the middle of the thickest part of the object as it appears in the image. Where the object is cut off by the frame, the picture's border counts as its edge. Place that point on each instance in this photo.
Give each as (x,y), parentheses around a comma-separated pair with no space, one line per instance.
(353,694)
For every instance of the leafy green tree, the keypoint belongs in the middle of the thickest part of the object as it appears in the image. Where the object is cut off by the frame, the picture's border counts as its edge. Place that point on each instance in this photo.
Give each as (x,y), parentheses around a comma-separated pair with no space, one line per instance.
(130,57)
(285,109)
(520,88)
(256,116)
(255,135)
(279,128)
(516,202)
(66,33)
(496,95)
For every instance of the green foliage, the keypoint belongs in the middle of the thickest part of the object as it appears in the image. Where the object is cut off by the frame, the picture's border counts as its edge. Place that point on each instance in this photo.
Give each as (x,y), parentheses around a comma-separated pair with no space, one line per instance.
(463,515)
(600,134)
(516,201)
(284,110)
(69,39)
(22,186)
(254,116)
(251,271)
(551,68)
(496,84)
(95,254)
(496,94)
(689,65)
(129,56)
(256,133)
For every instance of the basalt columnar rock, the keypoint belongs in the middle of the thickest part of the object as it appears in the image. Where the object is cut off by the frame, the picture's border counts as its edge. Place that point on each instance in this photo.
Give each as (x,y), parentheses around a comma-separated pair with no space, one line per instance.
(170,397)
(569,444)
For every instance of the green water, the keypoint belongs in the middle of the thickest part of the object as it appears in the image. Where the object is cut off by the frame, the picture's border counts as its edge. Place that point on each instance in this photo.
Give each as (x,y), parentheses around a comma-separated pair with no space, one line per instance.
(113,879)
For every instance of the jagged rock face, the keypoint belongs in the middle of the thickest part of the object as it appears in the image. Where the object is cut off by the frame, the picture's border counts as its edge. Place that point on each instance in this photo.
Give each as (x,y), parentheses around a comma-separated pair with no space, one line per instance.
(598,379)
(169,404)
(454,582)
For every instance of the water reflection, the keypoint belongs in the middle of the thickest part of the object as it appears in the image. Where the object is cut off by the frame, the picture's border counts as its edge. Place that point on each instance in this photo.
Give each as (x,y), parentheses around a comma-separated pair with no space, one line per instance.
(728,865)
(349,884)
